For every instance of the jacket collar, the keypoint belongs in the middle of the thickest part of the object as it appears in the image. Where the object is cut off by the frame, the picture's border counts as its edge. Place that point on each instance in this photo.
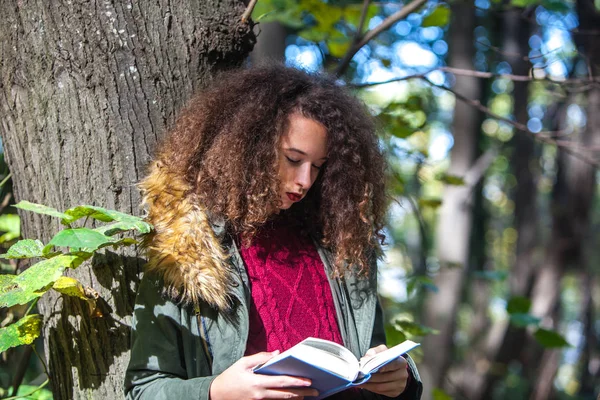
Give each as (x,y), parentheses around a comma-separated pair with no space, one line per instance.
(185,248)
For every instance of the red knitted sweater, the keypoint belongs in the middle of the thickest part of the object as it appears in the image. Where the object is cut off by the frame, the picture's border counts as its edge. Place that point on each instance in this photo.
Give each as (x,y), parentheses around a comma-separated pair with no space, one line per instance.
(291,296)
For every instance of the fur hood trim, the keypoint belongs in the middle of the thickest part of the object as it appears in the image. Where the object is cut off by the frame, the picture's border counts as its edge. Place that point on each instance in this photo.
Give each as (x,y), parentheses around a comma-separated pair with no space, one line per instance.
(183,249)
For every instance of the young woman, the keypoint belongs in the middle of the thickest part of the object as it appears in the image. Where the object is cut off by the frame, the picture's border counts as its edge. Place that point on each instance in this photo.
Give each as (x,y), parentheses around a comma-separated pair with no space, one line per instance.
(267,200)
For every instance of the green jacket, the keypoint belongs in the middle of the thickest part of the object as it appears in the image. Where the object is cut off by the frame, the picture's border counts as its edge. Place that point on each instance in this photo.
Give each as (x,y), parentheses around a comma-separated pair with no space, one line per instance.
(190,320)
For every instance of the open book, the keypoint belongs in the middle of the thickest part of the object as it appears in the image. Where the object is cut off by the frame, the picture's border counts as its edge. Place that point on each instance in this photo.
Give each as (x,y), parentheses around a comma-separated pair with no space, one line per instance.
(331,367)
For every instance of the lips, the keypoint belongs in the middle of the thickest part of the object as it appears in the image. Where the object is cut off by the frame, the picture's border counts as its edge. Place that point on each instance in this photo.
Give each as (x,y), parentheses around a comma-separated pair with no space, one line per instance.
(293,196)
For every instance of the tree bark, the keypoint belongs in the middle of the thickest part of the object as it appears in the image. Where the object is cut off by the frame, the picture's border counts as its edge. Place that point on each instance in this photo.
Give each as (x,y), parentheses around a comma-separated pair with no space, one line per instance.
(270,43)
(455,215)
(87,90)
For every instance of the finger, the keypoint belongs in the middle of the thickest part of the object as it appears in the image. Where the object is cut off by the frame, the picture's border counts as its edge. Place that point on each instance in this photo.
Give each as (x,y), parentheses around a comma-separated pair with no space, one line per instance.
(258,358)
(391,389)
(398,363)
(400,374)
(290,393)
(374,350)
(282,381)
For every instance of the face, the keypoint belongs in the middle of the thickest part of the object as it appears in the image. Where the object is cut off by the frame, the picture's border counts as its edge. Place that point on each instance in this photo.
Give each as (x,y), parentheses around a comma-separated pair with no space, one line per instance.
(302,153)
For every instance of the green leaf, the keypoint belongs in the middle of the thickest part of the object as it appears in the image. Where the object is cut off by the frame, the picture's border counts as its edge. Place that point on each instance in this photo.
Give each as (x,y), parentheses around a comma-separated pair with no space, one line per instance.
(559,6)
(410,328)
(452,179)
(423,281)
(352,14)
(431,203)
(120,243)
(24,331)
(518,305)
(126,221)
(80,238)
(11,224)
(40,209)
(313,35)
(35,280)
(491,275)
(26,248)
(439,394)
(597,4)
(550,339)
(123,226)
(72,287)
(11,294)
(34,393)
(338,44)
(522,320)
(439,17)
(393,336)
(6,279)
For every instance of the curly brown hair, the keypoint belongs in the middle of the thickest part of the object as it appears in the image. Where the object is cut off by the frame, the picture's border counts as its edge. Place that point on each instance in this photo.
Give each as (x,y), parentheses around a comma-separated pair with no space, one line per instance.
(226,143)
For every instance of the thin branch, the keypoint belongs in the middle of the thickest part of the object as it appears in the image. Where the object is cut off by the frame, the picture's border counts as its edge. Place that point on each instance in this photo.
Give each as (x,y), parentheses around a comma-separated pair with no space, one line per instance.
(5,179)
(507,54)
(41,360)
(30,393)
(547,137)
(248,12)
(485,75)
(475,173)
(30,308)
(389,21)
(21,369)
(363,19)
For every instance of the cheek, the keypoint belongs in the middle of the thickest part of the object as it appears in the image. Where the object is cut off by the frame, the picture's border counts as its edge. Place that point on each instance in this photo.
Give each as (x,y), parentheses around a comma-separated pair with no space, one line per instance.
(283,175)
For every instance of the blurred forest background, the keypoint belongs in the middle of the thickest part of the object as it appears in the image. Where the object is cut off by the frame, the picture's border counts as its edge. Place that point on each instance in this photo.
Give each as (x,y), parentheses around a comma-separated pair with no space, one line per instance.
(489,112)
(490,115)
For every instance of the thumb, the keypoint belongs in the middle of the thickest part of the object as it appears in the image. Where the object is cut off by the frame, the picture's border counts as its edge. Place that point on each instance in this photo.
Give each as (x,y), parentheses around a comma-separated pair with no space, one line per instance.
(258,358)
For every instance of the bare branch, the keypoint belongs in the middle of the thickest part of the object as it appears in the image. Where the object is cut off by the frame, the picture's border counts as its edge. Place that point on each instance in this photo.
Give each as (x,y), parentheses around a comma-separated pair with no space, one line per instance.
(363,19)
(547,137)
(475,173)
(248,12)
(486,75)
(389,21)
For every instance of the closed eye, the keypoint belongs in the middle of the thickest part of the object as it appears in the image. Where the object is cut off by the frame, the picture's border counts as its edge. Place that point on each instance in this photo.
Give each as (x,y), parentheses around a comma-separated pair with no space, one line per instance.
(291,160)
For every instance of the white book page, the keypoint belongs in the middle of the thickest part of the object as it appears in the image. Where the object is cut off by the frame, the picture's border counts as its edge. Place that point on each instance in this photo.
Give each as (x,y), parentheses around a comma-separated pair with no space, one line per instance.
(382,358)
(324,355)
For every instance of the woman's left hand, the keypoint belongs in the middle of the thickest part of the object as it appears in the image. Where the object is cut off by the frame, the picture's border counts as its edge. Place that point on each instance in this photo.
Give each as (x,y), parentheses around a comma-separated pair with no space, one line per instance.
(391,379)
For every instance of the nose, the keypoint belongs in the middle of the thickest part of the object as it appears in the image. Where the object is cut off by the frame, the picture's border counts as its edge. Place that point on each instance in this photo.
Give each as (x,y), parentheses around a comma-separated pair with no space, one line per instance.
(303,177)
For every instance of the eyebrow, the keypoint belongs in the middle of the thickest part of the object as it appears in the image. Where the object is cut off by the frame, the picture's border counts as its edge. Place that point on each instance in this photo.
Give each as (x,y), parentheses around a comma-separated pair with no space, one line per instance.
(301,152)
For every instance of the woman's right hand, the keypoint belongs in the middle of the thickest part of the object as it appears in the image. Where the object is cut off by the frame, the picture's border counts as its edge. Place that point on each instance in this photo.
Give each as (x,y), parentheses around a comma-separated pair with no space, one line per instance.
(238,382)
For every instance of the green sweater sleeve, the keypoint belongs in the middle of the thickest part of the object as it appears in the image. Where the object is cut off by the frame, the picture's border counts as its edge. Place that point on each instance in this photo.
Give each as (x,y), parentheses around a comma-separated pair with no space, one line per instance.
(164,363)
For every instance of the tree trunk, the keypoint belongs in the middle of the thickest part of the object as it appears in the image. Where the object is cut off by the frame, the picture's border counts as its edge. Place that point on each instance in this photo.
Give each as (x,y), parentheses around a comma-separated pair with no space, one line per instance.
(589,18)
(508,345)
(87,90)
(573,197)
(270,43)
(572,200)
(455,215)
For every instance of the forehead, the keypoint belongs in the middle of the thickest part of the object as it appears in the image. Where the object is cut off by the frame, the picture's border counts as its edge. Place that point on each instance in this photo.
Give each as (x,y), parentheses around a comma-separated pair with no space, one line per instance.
(306,135)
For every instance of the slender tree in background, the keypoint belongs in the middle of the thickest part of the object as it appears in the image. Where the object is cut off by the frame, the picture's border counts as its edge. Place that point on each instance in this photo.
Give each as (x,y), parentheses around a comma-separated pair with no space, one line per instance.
(87,90)
(573,197)
(505,342)
(454,229)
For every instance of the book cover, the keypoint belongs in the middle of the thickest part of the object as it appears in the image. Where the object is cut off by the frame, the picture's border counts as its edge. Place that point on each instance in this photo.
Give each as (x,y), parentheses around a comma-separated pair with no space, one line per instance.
(331,367)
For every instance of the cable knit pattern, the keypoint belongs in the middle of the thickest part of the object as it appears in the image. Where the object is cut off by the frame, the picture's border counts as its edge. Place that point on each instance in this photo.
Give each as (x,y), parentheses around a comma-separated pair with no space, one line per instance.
(291,296)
